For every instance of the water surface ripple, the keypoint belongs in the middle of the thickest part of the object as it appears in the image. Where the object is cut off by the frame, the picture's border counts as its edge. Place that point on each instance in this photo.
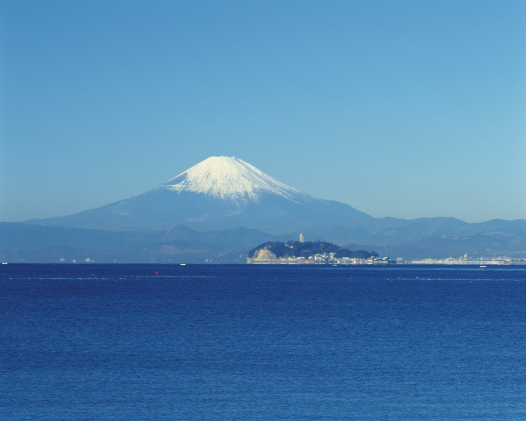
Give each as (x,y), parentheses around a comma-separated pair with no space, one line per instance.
(203,342)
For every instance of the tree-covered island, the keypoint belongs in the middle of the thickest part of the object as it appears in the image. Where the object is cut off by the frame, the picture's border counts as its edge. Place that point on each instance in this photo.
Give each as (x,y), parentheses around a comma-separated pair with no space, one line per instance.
(310,252)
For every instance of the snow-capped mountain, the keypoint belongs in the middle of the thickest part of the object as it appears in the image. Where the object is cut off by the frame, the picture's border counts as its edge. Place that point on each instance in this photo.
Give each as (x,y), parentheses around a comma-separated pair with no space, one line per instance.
(216,208)
(218,193)
(229,178)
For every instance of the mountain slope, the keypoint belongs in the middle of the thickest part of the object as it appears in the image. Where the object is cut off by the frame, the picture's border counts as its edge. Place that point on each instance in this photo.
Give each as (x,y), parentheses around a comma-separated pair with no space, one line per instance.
(218,193)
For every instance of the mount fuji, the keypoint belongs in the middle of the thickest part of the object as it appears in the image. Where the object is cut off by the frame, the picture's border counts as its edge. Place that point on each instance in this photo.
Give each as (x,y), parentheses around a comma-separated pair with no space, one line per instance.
(222,207)
(216,194)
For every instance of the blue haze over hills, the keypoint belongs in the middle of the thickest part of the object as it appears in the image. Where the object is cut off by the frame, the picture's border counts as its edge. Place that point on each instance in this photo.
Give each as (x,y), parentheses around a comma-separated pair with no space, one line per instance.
(222,207)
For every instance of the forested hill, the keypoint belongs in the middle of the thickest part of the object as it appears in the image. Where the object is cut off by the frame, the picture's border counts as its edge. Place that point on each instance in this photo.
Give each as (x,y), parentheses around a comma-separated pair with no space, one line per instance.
(310,248)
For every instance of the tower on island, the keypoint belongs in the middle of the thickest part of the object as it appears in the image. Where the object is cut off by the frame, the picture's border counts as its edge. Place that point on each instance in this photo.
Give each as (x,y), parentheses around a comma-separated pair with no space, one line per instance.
(302,238)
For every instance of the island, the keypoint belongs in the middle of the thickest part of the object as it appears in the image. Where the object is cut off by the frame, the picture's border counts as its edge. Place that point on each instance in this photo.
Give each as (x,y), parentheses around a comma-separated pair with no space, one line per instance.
(309,252)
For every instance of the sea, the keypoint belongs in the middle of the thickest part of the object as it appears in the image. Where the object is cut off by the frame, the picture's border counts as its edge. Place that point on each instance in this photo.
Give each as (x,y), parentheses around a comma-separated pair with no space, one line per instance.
(262,342)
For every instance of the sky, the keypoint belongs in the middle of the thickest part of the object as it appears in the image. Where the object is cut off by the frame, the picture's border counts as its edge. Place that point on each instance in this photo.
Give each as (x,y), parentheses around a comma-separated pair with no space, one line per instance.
(405,109)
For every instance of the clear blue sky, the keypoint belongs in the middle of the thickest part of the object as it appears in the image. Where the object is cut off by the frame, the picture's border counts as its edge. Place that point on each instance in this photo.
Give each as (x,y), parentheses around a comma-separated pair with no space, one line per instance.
(398,108)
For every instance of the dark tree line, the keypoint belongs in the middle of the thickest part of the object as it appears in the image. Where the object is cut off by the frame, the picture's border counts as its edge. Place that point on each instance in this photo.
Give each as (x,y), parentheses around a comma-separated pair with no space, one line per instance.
(310,248)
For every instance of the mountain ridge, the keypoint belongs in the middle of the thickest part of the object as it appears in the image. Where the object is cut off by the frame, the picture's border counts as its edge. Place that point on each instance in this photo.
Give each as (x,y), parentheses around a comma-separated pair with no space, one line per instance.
(221,199)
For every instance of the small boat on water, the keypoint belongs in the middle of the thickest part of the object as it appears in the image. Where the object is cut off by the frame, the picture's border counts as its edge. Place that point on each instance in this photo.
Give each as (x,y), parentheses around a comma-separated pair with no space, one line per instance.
(483,266)
(183,264)
(4,263)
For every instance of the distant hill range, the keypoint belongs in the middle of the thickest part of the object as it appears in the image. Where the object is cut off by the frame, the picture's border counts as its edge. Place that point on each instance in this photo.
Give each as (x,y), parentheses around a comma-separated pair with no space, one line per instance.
(26,243)
(223,207)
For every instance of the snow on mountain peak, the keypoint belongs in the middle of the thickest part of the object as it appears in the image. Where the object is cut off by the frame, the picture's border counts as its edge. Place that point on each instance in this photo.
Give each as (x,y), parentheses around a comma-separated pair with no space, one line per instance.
(229,178)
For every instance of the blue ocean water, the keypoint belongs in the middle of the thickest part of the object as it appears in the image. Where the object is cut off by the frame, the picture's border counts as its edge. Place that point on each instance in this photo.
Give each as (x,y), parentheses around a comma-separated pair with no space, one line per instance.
(203,342)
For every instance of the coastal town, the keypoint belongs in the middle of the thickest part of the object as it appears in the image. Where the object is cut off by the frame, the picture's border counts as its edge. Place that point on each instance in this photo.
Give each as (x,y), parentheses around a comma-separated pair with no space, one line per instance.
(310,253)
(325,259)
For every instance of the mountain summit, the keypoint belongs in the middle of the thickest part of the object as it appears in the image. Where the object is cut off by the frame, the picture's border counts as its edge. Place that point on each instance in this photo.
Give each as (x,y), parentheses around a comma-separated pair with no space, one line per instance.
(218,193)
(219,205)
(229,178)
